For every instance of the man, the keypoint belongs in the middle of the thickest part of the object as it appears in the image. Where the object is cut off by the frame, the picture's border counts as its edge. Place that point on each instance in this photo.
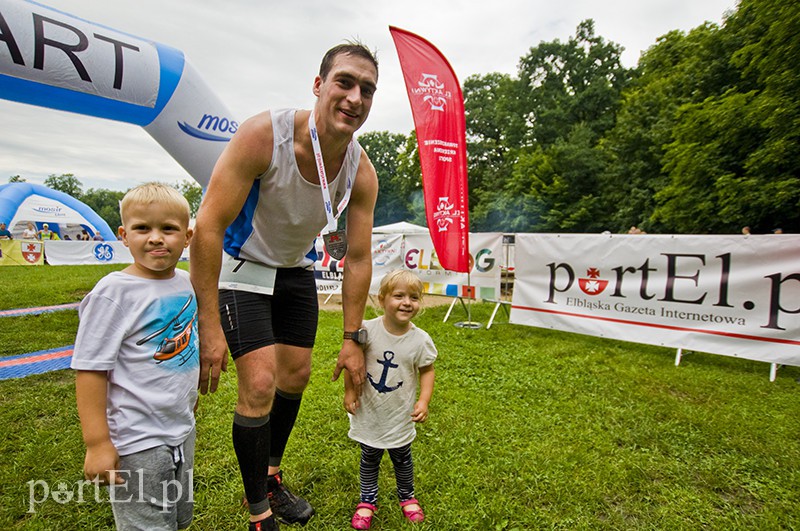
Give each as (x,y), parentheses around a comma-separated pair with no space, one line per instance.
(268,314)
(5,234)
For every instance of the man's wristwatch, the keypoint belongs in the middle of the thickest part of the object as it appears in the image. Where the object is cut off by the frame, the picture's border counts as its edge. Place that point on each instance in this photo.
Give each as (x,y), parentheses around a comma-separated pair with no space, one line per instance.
(359,336)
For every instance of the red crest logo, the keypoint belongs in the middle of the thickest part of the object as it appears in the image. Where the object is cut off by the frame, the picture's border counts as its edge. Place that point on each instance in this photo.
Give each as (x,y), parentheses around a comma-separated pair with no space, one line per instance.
(32,251)
(593,285)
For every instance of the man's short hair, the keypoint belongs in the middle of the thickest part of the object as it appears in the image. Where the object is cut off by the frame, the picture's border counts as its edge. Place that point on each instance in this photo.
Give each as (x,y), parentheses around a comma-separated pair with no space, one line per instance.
(147,193)
(353,48)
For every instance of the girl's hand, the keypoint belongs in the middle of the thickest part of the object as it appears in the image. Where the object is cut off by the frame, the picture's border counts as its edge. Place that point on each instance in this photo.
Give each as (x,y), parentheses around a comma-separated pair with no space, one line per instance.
(420,413)
(351,401)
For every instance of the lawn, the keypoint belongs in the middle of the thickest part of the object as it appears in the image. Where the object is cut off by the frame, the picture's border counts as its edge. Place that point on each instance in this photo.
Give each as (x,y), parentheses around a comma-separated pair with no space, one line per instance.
(528,429)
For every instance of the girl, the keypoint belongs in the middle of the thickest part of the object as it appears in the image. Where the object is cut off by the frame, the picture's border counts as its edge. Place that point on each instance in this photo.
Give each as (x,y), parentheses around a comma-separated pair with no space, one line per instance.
(398,357)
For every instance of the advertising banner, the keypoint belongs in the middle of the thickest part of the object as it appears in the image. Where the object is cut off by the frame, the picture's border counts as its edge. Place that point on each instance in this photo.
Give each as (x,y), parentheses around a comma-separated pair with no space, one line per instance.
(21,252)
(415,252)
(437,106)
(485,257)
(731,295)
(386,256)
(87,253)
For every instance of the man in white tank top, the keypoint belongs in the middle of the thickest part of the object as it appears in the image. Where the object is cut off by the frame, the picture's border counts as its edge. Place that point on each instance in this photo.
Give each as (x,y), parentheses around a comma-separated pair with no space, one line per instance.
(269,164)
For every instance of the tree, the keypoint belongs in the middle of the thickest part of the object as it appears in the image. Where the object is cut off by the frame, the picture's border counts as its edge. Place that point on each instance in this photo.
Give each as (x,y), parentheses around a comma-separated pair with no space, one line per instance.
(536,143)
(16,179)
(570,83)
(105,203)
(383,149)
(193,193)
(735,155)
(408,180)
(495,130)
(67,183)
(680,69)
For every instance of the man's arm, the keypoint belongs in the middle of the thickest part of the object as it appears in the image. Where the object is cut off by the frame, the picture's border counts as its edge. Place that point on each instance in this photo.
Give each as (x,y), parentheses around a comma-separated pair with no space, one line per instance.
(357,268)
(247,156)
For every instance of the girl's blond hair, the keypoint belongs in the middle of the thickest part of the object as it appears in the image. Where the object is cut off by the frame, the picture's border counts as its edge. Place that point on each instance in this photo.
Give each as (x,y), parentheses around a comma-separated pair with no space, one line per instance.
(400,277)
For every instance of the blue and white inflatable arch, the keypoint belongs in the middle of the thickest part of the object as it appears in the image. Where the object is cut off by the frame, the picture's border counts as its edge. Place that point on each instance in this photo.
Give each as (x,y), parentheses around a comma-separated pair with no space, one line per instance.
(22,202)
(53,59)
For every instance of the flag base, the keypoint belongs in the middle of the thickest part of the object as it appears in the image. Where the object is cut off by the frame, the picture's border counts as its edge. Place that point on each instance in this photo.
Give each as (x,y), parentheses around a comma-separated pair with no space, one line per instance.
(473,325)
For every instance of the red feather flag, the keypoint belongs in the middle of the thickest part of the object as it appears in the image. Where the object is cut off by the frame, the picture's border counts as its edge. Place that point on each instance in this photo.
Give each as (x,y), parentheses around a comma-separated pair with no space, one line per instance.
(437,105)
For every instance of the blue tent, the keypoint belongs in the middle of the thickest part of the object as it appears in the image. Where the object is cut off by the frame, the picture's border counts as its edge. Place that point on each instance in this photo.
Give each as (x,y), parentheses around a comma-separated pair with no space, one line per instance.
(21,203)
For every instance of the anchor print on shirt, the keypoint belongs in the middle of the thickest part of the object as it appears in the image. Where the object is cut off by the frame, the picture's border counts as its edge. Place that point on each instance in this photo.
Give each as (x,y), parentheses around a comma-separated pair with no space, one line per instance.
(381,386)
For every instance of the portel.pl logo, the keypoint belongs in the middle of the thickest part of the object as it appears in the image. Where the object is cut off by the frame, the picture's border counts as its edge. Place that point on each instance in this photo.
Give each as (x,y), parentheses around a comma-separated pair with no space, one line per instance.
(211,127)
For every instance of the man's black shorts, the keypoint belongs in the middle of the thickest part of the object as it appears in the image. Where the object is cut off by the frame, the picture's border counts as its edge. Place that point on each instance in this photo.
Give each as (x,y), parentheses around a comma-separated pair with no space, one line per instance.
(288,316)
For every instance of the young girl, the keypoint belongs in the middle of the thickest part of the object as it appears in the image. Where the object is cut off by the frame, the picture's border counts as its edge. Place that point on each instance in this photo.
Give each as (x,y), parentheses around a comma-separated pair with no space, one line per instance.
(398,355)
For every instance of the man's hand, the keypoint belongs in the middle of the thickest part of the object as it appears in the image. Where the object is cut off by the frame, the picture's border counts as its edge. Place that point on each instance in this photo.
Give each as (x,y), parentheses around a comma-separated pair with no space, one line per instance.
(213,357)
(100,463)
(351,358)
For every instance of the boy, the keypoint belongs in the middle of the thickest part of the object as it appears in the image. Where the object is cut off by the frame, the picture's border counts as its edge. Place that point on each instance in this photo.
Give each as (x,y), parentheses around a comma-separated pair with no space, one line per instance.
(137,357)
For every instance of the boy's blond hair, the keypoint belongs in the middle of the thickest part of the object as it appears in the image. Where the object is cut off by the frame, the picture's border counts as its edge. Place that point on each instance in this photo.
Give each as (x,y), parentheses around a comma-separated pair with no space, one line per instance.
(400,277)
(147,193)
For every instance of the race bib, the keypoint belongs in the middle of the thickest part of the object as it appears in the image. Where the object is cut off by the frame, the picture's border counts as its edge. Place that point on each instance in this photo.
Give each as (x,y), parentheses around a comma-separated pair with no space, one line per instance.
(242,275)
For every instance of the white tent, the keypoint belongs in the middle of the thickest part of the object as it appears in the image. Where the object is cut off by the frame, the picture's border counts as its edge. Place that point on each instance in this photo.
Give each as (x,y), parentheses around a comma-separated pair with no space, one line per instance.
(401,227)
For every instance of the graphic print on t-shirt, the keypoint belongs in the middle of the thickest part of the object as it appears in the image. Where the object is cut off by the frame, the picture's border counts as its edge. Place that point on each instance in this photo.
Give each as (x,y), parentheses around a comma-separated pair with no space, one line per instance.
(380,385)
(178,337)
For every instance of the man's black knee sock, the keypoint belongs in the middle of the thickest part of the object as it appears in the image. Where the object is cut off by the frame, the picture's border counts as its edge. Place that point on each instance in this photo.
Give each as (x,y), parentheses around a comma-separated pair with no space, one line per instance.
(251,443)
(285,407)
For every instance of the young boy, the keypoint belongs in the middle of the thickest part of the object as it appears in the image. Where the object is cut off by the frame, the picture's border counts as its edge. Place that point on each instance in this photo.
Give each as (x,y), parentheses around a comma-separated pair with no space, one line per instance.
(137,357)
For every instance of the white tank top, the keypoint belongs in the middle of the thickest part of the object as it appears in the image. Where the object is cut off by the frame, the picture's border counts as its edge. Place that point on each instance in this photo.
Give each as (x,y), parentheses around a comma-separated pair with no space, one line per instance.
(283,212)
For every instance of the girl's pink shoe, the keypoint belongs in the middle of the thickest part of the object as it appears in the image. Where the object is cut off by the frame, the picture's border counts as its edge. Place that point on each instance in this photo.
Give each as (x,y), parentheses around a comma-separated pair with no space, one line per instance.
(363,522)
(413,515)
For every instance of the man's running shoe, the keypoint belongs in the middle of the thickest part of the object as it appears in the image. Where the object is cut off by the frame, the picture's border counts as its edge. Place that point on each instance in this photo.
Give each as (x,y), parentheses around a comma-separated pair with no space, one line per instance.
(287,507)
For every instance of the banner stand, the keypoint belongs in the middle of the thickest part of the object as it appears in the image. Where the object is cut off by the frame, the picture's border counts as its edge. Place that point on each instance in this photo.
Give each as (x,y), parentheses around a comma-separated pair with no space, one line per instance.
(462,324)
(497,306)
(773,367)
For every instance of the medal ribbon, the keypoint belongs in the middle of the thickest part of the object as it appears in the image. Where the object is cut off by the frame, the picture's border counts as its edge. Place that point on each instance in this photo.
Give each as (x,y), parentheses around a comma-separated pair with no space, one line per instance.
(323,180)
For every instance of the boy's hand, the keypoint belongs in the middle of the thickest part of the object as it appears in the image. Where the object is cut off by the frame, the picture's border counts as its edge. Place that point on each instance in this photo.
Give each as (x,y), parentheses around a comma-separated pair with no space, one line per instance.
(420,413)
(351,401)
(101,463)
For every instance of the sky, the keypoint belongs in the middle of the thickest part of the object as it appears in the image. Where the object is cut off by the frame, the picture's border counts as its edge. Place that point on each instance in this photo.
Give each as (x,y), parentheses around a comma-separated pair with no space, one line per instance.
(262,54)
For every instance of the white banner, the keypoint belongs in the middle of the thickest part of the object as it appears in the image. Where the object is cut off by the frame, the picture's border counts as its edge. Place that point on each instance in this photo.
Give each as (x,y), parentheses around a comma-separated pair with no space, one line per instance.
(485,257)
(86,253)
(732,295)
(386,256)
(415,252)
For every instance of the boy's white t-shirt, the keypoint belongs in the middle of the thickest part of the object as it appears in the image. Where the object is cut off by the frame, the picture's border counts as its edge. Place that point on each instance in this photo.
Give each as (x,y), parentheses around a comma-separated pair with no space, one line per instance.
(144,333)
(387,401)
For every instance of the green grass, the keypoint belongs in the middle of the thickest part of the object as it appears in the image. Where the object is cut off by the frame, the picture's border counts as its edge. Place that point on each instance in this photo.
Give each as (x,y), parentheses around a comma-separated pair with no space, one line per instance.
(529,429)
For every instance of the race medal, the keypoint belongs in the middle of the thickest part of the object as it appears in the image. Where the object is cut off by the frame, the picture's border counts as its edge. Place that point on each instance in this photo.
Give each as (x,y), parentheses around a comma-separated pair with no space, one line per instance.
(336,243)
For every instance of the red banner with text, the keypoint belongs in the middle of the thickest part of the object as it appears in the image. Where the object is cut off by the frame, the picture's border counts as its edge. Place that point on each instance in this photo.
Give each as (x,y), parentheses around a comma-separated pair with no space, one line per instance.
(437,105)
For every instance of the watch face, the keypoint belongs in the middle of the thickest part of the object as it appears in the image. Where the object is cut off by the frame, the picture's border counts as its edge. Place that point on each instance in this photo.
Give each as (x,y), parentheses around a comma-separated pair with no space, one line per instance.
(361,336)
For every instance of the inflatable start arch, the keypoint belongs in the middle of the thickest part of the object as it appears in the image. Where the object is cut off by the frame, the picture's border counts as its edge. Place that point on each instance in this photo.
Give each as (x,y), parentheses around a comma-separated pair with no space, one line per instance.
(26,202)
(53,59)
